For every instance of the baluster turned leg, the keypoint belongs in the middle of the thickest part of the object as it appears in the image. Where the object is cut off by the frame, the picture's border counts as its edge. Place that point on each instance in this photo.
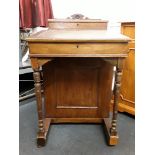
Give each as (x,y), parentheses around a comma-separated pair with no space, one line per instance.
(41,138)
(113,129)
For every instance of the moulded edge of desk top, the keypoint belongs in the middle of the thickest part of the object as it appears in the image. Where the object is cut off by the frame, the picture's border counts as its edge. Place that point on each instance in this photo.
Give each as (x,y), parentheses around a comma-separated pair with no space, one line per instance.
(77,36)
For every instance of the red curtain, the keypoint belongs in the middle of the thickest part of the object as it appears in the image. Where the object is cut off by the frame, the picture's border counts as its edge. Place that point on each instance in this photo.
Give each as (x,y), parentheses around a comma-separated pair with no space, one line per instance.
(34,13)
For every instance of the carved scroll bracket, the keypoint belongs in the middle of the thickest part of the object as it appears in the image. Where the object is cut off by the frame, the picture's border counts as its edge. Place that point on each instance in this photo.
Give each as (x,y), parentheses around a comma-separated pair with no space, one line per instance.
(36,63)
(114,61)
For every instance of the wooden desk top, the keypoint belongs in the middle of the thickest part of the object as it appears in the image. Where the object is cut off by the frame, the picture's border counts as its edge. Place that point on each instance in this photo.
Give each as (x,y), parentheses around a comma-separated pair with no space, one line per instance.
(77,36)
(77,21)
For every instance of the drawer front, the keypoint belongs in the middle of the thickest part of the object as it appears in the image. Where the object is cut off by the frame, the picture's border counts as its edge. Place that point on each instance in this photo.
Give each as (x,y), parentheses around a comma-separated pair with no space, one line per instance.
(132,44)
(78,25)
(78,48)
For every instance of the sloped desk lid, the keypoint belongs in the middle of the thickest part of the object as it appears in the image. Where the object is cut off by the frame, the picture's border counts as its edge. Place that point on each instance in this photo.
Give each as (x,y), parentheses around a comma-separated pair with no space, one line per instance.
(77,36)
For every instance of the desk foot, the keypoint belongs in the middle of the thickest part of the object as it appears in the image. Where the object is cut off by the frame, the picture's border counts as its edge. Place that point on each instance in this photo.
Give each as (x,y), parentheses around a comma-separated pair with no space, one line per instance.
(41,139)
(42,136)
(111,140)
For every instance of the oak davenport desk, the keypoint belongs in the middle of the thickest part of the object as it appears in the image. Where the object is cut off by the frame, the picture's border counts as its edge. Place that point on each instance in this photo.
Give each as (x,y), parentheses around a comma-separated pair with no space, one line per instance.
(77,59)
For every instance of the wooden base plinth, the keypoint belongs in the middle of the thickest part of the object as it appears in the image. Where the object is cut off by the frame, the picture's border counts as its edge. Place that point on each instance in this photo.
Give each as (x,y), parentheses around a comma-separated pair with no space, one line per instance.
(123,107)
(42,136)
(111,140)
(76,120)
(126,108)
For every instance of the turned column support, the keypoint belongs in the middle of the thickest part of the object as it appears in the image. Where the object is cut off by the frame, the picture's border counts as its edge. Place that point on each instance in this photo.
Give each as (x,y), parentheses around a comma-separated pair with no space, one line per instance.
(117,84)
(110,127)
(43,123)
(37,84)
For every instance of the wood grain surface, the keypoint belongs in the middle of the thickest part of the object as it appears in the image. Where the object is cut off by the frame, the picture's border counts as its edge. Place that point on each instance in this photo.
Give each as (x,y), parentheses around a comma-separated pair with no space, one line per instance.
(64,35)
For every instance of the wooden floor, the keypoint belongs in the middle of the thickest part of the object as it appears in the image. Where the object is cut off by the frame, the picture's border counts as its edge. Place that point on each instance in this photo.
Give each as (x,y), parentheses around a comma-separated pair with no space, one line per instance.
(73,139)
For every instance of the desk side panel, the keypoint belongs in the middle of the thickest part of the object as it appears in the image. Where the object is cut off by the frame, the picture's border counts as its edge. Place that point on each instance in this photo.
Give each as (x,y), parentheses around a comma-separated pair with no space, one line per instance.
(77,88)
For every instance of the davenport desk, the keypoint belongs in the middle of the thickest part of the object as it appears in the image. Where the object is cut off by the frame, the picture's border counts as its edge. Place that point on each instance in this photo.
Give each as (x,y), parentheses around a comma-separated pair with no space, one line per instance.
(77,59)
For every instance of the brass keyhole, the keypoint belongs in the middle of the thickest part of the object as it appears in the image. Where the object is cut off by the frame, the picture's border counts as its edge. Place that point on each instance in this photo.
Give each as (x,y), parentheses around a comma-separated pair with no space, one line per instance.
(77,46)
(77,24)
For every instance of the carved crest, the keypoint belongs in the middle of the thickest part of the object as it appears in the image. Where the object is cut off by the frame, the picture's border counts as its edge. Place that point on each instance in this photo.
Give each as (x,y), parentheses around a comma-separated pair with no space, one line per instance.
(77,16)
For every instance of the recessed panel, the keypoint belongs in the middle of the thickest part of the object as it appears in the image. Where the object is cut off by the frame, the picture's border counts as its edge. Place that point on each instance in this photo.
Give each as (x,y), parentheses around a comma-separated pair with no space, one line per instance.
(76,87)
